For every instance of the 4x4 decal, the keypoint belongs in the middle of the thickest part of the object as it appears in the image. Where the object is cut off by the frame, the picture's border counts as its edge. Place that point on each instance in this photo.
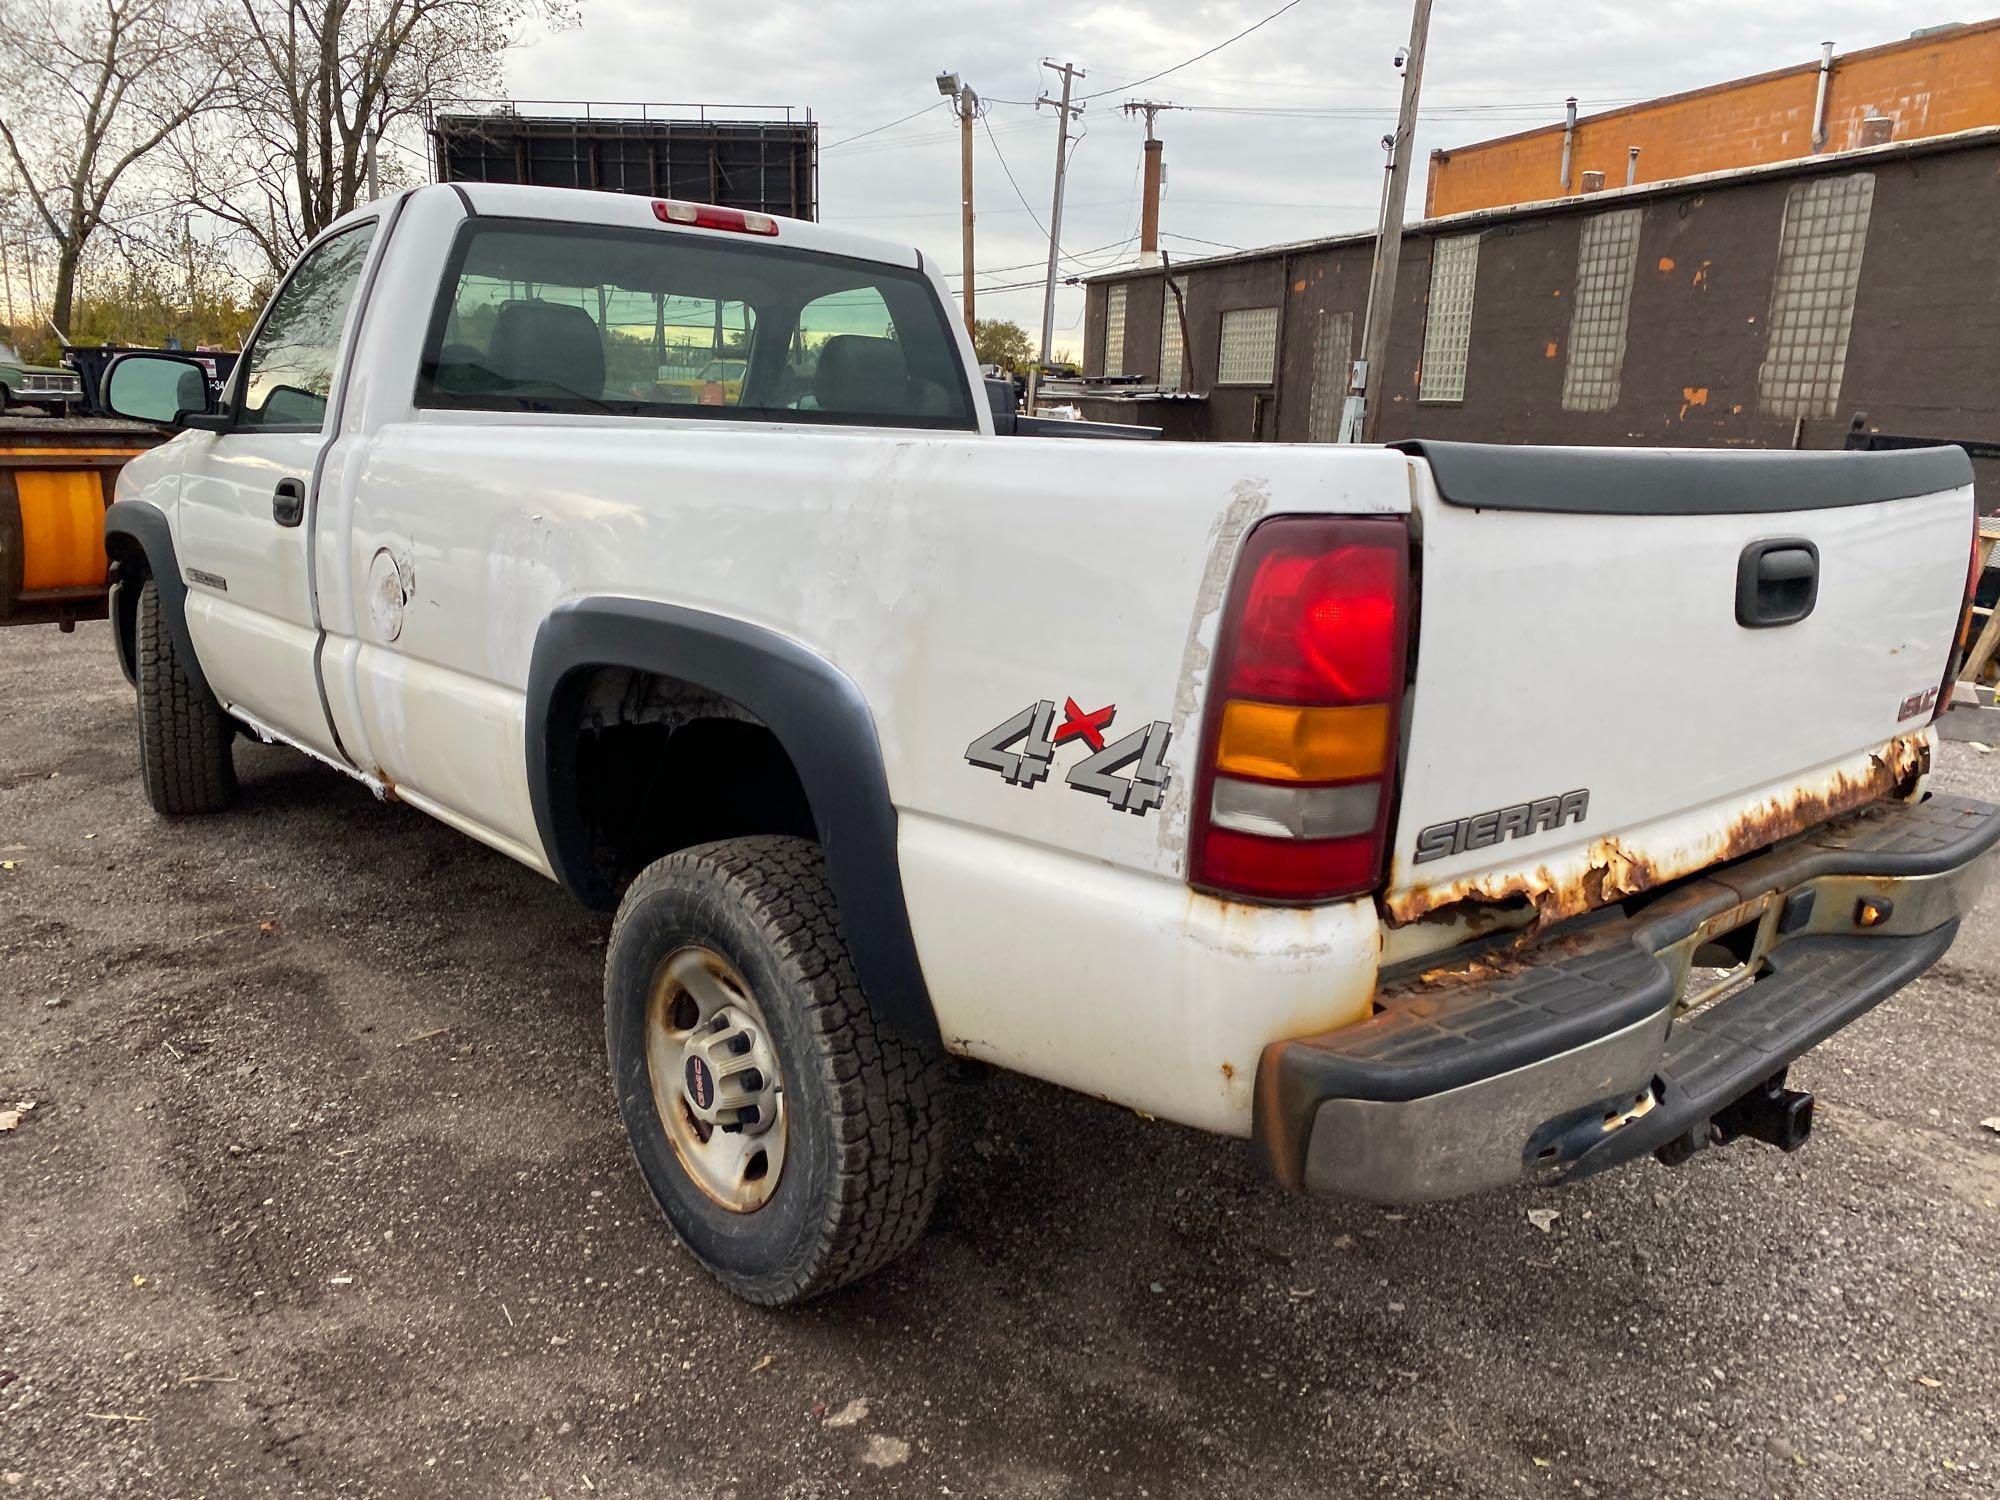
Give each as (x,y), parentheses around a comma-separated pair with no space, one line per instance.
(1022,748)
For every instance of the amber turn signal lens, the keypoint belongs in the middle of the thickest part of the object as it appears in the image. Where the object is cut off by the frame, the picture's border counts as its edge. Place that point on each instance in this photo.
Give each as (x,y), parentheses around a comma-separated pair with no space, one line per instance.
(1282,742)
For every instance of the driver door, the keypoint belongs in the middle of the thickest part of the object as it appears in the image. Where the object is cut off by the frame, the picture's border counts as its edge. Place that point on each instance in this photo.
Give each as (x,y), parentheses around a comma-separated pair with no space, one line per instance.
(245,524)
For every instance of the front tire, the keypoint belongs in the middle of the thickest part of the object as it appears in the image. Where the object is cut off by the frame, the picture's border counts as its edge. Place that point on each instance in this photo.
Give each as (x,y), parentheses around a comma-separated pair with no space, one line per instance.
(184,736)
(793,1139)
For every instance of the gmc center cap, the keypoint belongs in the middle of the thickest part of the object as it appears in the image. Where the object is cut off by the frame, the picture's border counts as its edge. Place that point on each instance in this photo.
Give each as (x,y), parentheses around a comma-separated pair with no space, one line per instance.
(700,1083)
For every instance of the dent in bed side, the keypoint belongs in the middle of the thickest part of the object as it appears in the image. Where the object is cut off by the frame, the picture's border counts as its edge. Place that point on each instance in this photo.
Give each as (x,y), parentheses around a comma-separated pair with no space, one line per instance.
(818,716)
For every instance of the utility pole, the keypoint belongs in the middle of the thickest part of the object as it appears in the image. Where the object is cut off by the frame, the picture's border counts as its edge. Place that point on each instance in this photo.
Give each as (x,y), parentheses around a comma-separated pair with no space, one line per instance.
(374,171)
(965,104)
(1149,212)
(1064,109)
(1361,417)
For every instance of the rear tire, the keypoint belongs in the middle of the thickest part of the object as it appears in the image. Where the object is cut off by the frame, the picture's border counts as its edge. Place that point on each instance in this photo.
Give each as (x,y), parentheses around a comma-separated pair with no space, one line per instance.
(734,949)
(184,736)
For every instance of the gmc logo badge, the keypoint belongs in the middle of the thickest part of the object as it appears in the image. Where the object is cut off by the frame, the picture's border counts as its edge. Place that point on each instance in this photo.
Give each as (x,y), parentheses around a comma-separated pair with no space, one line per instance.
(1520,821)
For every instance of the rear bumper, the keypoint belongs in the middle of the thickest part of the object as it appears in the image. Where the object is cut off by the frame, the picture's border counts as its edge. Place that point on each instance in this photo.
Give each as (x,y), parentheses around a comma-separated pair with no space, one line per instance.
(1591,1049)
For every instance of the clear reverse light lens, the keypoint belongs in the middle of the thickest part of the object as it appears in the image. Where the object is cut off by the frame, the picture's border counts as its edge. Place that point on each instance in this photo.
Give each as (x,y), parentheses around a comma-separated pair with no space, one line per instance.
(1293,812)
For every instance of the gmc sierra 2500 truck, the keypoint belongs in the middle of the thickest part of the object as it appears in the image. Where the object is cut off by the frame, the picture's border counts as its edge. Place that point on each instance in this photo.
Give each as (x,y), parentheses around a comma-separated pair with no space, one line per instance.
(1435,818)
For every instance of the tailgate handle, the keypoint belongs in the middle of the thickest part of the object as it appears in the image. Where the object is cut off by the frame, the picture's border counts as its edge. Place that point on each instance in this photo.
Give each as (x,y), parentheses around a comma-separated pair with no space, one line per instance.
(1777,582)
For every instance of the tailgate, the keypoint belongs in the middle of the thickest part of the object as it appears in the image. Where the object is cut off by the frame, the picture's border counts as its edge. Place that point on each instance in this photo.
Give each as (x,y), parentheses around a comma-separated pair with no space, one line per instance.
(1611,687)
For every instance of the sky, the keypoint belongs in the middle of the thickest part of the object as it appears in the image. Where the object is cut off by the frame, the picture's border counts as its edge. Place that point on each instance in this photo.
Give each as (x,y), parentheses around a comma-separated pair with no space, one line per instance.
(1281,139)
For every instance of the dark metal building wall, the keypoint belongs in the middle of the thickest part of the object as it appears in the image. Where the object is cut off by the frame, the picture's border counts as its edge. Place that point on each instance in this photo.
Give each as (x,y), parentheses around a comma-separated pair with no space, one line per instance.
(1920,359)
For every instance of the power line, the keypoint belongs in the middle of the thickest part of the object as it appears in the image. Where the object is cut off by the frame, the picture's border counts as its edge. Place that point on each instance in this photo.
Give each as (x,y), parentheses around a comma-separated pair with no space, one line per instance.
(1029,265)
(934,104)
(1198,56)
(1079,259)
(1010,174)
(930,138)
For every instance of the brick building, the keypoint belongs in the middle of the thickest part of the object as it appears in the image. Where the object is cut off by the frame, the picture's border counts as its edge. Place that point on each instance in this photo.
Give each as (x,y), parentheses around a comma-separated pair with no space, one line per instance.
(1938,82)
(1770,307)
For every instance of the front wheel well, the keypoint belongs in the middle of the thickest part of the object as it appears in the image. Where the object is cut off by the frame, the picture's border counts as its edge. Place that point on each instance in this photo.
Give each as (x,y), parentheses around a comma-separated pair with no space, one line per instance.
(646,765)
(130,568)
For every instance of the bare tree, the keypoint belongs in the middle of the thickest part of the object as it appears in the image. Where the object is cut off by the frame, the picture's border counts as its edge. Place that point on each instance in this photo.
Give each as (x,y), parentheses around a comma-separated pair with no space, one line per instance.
(87,91)
(316,79)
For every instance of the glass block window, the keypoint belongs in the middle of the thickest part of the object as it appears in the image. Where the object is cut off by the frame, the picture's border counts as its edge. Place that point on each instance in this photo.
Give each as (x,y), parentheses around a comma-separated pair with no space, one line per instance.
(1172,349)
(1333,355)
(1812,305)
(1607,259)
(1114,331)
(1448,328)
(1249,346)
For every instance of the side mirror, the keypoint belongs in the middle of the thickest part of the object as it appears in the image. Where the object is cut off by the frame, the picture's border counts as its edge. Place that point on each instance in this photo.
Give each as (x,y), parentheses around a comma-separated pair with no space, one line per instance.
(164,389)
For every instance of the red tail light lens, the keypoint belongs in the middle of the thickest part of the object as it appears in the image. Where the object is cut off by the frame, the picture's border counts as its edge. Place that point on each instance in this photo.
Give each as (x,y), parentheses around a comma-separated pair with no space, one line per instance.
(1303,719)
(709,216)
(1320,629)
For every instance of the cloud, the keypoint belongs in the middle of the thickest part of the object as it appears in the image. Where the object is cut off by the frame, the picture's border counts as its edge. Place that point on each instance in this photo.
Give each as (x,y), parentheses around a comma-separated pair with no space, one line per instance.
(1237,178)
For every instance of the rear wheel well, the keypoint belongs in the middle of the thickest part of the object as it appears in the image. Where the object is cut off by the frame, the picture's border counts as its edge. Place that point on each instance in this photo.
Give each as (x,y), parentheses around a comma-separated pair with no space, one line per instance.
(650,764)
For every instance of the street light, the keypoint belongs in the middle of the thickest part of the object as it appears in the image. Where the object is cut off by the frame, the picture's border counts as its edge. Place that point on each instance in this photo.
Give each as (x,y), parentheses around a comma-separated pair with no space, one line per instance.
(965,104)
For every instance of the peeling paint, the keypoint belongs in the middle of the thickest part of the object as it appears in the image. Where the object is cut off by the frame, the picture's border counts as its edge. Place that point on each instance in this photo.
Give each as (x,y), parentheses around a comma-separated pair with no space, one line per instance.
(1249,499)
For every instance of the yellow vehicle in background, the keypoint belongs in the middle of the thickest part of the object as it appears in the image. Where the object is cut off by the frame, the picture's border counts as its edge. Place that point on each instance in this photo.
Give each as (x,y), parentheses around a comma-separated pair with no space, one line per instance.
(719,383)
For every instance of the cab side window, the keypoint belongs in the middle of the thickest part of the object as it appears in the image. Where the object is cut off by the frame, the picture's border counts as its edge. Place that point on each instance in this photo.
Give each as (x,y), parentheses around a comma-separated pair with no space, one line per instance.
(848,357)
(288,378)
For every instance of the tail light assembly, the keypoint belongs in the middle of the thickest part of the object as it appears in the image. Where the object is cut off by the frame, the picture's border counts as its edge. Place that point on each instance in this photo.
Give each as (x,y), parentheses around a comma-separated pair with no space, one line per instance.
(1962,642)
(1300,739)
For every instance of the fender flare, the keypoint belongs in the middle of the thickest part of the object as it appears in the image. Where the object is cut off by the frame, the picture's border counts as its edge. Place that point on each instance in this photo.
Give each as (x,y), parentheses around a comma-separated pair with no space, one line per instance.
(820,719)
(145,525)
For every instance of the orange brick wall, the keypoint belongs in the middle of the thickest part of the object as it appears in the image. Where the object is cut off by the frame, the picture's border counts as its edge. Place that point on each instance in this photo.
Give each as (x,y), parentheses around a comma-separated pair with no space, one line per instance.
(1930,85)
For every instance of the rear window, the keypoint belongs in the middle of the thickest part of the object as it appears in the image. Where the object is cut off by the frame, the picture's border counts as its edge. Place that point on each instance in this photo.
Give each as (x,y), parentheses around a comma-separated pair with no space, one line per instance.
(594,319)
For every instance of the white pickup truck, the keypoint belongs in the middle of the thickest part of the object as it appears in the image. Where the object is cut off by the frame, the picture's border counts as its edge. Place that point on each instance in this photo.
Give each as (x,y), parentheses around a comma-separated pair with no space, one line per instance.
(1435,818)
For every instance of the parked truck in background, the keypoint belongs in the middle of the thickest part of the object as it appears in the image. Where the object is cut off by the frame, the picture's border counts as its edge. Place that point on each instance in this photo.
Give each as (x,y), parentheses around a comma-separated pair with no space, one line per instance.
(1433,818)
(46,388)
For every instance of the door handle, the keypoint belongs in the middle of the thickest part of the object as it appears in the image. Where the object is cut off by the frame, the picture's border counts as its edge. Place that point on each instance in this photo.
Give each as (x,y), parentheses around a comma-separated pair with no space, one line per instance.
(1777,582)
(288,504)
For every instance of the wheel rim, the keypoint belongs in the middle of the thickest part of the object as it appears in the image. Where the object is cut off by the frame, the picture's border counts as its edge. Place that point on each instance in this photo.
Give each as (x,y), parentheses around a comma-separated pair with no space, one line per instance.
(715,1080)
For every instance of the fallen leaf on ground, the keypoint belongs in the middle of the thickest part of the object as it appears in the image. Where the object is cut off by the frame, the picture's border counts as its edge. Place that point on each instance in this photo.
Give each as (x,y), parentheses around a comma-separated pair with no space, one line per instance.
(10,864)
(1929,1384)
(1542,1218)
(9,1118)
(1992,1123)
(850,1414)
(1543,1463)
(764,1364)
(885,1452)
(1343,1242)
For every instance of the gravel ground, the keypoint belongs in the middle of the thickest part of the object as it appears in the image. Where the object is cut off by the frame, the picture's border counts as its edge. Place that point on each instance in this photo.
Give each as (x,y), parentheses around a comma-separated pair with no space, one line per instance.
(323,1193)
